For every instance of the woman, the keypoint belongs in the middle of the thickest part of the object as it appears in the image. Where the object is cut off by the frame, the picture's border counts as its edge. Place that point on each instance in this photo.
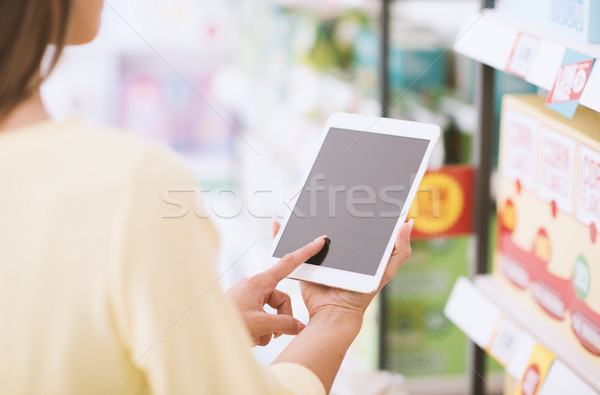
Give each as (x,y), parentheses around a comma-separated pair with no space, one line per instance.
(100,290)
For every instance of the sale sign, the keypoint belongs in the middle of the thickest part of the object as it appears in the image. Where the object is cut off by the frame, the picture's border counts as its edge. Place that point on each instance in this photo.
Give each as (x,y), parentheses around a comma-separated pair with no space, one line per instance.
(570,81)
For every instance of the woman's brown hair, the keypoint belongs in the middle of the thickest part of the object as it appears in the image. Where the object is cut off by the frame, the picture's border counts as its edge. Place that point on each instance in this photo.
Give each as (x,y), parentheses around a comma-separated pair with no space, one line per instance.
(27,27)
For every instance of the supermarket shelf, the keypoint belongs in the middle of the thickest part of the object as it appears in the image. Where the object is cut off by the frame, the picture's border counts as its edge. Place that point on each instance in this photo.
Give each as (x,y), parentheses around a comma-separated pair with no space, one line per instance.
(489,37)
(509,331)
(452,385)
(327,9)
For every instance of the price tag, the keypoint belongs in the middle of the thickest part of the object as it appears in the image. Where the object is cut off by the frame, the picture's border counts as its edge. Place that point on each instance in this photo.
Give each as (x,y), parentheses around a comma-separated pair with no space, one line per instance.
(523,54)
(570,81)
(504,342)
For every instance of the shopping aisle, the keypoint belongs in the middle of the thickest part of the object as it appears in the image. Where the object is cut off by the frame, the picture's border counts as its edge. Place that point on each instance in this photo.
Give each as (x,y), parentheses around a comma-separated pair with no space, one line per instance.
(241,89)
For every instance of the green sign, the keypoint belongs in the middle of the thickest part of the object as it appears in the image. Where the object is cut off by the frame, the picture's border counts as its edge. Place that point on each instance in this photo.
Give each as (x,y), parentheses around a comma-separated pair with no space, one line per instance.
(581,277)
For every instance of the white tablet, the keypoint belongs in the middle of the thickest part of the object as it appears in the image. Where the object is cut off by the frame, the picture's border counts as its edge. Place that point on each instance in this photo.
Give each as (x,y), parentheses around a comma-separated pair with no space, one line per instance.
(358,191)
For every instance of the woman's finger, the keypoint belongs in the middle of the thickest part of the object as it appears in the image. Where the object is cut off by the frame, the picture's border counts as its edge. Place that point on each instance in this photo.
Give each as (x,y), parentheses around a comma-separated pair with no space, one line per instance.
(261,323)
(275,228)
(291,261)
(281,302)
(263,340)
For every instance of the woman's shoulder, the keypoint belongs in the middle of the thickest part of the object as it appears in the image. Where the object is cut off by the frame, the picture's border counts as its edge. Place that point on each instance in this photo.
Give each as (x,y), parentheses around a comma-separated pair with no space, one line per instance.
(103,140)
(123,155)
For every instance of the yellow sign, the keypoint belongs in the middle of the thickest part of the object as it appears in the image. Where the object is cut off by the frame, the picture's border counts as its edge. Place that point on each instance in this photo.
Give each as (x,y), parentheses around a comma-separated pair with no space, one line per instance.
(536,371)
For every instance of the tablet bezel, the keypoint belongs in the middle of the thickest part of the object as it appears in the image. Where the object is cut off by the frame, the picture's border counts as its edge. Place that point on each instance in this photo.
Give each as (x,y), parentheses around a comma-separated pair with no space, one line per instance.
(368,124)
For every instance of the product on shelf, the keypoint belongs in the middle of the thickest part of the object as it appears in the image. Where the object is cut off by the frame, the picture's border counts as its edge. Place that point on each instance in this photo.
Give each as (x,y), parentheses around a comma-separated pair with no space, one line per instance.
(420,341)
(572,19)
(443,204)
(172,108)
(417,59)
(549,215)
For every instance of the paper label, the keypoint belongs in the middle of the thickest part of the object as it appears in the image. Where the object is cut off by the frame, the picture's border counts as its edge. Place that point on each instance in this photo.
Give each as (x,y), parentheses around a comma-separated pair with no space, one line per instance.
(519,146)
(587,332)
(522,55)
(556,161)
(514,271)
(504,342)
(550,299)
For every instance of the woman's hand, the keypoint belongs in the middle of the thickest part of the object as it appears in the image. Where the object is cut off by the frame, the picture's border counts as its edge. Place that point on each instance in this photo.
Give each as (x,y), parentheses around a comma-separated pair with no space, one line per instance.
(320,298)
(250,296)
(335,318)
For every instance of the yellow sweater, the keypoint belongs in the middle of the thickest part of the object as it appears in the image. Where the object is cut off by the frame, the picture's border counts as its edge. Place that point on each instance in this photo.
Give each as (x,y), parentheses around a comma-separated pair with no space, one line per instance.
(101,289)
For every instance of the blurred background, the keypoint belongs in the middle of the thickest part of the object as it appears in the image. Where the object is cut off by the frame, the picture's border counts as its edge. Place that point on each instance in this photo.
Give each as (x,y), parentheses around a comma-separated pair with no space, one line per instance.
(242,90)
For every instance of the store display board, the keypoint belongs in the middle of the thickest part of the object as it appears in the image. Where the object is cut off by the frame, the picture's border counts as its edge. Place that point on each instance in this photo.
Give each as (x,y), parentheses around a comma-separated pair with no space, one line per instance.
(548,200)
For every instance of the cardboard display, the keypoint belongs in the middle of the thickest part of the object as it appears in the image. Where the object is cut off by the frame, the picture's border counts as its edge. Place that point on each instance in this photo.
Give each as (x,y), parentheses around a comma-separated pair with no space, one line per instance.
(549,214)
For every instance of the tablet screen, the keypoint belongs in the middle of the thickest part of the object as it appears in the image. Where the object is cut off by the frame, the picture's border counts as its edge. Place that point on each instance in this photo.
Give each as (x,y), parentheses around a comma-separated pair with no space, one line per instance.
(354,194)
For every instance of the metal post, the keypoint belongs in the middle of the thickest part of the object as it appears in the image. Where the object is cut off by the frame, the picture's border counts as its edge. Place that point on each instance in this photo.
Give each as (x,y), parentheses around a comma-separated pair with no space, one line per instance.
(483,154)
(383,56)
(384,99)
(483,147)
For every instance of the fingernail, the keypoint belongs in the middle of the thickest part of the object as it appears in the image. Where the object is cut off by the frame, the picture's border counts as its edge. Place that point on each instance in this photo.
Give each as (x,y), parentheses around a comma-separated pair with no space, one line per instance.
(300,326)
(411,223)
(318,239)
(276,335)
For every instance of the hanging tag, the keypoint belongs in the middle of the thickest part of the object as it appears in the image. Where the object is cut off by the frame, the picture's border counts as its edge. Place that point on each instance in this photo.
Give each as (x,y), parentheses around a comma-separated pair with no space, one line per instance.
(569,83)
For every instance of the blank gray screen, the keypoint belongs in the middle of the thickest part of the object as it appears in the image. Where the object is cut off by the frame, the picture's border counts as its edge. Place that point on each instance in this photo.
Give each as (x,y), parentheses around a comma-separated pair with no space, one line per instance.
(354,194)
